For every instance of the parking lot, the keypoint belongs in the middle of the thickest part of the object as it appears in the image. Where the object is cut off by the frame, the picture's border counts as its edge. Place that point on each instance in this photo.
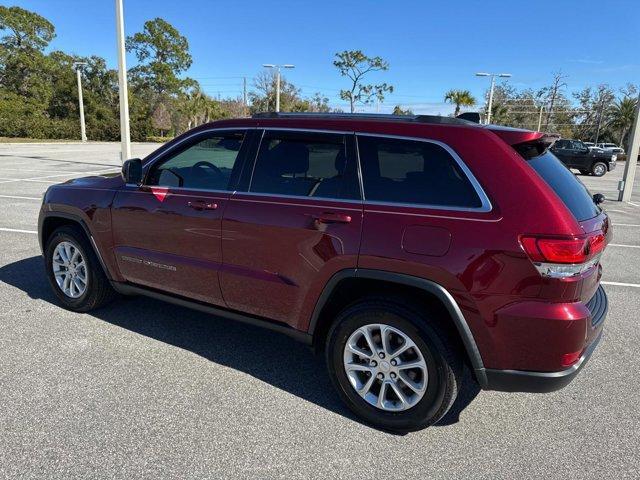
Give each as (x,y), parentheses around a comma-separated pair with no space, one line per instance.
(145,389)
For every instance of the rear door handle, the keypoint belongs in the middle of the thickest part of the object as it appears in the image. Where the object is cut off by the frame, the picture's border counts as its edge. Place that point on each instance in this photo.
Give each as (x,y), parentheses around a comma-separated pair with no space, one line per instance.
(330,217)
(202,205)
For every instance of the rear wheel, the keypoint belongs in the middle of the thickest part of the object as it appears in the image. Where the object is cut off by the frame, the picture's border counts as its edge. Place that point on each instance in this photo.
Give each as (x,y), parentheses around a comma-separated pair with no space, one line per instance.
(392,366)
(74,271)
(599,169)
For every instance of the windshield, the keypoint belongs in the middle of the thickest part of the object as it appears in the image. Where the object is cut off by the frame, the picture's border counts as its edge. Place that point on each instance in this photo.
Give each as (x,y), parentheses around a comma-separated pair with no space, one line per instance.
(566,185)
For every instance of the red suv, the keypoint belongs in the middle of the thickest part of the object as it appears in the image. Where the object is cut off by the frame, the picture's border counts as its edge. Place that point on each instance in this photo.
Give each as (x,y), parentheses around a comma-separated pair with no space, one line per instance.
(401,247)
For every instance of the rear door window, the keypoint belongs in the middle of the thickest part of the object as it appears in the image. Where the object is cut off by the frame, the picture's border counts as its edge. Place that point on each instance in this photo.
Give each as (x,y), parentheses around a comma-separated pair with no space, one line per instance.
(305,165)
(566,185)
(414,172)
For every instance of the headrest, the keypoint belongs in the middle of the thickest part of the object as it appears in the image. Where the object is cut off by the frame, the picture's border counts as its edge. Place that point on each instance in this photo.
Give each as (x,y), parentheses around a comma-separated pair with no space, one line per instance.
(292,157)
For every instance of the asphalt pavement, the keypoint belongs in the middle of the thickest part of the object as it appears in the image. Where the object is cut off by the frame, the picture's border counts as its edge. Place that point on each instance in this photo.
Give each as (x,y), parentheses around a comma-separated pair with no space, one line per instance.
(142,389)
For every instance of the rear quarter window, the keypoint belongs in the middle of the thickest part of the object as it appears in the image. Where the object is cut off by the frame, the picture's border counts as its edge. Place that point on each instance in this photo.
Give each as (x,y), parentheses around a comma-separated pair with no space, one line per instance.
(397,170)
(566,185)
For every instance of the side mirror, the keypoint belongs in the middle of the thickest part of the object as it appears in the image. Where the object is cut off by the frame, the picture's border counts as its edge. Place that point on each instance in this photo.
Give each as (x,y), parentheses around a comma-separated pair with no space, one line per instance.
(132,171)
(598,198)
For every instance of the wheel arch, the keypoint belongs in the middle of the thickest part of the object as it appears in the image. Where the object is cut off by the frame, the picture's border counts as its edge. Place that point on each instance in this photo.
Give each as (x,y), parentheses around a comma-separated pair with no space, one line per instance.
(50,221)
(357,280)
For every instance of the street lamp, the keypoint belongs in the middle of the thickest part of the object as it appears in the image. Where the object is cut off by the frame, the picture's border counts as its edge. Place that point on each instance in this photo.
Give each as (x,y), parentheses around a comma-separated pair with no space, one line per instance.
(125,137)
(78,66)
(493,84)
(278,67)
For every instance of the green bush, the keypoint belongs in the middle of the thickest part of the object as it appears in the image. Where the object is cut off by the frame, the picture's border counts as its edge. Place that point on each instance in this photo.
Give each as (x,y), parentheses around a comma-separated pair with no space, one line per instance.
(158,139)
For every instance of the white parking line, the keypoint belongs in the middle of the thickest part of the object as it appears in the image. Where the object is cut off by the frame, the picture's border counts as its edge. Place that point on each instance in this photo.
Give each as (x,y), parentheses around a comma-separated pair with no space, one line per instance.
(21,198)
(626,224)
(42,179)
(623,245)
(621,284)
(634,204)
(13,180)
(16,230)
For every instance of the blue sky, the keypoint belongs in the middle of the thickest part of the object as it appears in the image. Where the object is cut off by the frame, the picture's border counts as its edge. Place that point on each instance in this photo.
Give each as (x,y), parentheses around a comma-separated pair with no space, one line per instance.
(432,46)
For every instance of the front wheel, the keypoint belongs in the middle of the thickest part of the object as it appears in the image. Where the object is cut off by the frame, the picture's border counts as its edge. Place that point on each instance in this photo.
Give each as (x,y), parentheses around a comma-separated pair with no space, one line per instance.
(599,169)
(74,271)
(392,366)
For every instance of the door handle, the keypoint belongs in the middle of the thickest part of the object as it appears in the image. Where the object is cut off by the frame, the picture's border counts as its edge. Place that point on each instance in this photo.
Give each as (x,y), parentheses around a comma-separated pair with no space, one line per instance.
(330,217)
(202,205)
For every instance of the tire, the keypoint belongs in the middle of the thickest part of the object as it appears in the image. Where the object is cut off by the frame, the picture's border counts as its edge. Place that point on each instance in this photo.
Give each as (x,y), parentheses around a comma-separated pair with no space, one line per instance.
(97,289)
(599,169)
(437,349)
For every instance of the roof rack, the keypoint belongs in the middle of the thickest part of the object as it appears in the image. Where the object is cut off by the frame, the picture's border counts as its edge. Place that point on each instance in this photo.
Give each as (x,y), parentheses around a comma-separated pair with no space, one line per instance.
(369,116)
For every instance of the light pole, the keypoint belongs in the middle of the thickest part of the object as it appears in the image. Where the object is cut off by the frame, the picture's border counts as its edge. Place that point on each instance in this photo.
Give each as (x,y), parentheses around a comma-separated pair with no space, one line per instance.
(78,66)
(125,137)
(493,84)
(625,187)
(278,67)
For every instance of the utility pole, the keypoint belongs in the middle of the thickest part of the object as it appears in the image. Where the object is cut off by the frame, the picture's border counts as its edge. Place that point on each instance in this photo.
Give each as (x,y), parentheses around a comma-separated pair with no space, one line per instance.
(540,117)
(83,131)
(244,91)
(625,186)
(493,84)
(599,120)
(278,67)
(125,136)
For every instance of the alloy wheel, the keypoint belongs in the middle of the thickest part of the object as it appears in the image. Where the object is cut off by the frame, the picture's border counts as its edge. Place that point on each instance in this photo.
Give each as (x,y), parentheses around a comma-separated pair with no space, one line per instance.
(69,269)
(385,367)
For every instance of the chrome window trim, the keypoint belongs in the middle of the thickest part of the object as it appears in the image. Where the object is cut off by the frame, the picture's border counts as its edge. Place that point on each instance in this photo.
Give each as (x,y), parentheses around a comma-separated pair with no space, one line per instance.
(485,203)
(150,162)
(309,130)
(359,201)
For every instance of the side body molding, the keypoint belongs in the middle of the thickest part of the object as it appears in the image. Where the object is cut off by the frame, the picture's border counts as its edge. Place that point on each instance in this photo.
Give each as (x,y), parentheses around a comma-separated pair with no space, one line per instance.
(428,286)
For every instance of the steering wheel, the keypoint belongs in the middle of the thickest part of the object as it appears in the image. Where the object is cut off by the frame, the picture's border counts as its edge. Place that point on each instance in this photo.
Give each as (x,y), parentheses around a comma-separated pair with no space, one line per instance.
(210,166)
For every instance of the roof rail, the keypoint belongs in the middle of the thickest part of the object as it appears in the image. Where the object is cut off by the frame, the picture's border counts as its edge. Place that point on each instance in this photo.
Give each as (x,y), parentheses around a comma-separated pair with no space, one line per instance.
(368,116)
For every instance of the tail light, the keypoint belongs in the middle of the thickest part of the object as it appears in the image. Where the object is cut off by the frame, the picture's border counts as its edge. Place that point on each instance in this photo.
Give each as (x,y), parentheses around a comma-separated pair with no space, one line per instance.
(562,257)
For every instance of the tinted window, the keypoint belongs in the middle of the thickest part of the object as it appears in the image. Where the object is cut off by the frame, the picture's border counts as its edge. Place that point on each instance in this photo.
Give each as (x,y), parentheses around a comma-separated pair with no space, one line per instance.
(411,171)
(572,192)
(206,164)
(307,165)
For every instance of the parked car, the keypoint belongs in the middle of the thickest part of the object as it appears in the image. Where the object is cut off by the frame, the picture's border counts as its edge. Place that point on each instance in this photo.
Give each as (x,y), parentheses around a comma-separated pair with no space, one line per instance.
(575,154)
(613,148)
(401,248)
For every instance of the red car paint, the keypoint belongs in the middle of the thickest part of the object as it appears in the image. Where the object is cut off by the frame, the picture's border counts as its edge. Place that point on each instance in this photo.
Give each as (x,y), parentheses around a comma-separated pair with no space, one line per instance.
(272,256)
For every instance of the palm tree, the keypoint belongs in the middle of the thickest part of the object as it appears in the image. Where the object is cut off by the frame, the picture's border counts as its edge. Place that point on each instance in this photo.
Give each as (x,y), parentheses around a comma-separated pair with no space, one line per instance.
(621,115)
(460,98)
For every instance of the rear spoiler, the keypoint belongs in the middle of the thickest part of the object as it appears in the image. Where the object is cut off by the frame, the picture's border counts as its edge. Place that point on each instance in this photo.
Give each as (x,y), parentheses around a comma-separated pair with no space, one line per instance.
(535,147)
(470,117)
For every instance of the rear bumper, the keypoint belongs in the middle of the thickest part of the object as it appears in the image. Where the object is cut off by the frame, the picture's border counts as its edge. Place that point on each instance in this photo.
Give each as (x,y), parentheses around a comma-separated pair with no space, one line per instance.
(542,382)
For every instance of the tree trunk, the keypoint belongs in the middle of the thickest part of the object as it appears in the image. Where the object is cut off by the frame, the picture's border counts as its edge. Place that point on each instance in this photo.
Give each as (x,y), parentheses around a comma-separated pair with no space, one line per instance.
(457,112)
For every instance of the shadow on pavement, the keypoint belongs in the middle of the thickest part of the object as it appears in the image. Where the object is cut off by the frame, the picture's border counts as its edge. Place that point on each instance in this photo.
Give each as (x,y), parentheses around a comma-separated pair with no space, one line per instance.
(268,356)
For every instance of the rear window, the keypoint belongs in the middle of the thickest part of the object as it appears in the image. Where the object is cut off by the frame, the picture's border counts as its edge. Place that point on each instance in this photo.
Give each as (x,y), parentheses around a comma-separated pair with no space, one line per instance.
(566,185)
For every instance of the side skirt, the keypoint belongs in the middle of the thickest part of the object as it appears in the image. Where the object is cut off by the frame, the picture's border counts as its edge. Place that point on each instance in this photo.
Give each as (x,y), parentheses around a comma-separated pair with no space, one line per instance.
(128,289)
